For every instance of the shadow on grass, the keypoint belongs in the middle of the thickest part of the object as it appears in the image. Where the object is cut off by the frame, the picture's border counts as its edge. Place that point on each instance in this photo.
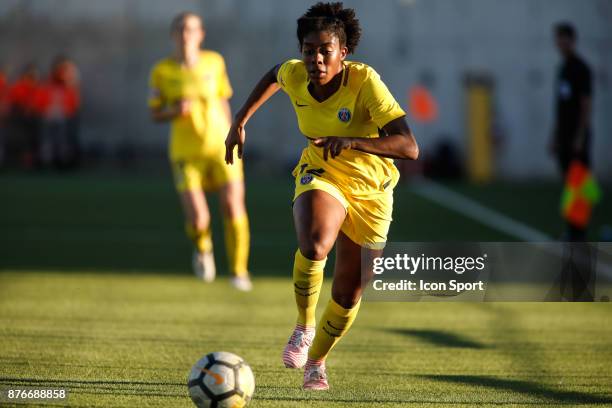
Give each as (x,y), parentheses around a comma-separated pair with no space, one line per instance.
(329,398)
(439,338)
(524,387)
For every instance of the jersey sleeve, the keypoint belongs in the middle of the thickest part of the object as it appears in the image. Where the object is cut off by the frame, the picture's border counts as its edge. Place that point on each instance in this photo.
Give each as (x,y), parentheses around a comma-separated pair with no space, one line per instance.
(156,99)
(224,87)
(379,102)
(287,73)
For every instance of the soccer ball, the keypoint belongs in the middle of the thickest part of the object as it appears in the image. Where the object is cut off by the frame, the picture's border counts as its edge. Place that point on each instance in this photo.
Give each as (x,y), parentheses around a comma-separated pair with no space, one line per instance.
(221,380)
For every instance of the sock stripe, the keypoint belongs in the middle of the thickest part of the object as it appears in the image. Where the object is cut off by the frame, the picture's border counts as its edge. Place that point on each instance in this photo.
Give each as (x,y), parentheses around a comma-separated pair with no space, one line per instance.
(295,285)
(307,281)
(335,323)
(335,328)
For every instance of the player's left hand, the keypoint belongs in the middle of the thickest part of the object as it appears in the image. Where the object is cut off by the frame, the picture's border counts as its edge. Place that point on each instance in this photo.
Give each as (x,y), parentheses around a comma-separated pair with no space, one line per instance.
(333,145)
(235,138)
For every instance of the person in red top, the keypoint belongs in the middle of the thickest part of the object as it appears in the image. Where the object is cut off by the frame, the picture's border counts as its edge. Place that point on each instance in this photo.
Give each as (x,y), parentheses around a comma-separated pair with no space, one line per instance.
(3,93)
(23,138)
(4,107)
(2,80)
(21,93)
(57,103)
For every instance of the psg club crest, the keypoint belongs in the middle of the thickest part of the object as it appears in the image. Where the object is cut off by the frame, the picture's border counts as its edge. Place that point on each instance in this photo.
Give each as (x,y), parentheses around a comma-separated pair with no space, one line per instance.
(306,179)
(344,115)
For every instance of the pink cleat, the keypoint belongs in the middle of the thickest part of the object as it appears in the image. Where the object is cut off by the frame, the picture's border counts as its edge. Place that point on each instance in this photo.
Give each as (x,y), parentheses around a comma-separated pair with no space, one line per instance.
(315,377)
(296,350)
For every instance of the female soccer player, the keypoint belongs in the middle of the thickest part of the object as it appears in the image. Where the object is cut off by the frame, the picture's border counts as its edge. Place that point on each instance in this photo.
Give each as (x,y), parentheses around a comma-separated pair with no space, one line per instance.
(191,89)
(345,177)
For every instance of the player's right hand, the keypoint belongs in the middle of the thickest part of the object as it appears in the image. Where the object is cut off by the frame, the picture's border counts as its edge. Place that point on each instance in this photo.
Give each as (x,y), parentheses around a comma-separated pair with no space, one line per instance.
(235,137)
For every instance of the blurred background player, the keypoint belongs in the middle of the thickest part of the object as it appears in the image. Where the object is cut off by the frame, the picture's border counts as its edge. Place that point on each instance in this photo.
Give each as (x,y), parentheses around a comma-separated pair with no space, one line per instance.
(57,103)
(191,89)
(23,142)
(571,139)
(344,180)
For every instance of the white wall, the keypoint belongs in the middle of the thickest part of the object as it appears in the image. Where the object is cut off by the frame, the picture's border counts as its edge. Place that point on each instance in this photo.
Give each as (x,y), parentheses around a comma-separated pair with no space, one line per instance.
(116,41)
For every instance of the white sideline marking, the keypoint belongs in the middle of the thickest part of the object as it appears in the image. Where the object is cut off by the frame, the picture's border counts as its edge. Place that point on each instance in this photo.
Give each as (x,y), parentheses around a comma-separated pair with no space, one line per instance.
(478,212)
(448,198)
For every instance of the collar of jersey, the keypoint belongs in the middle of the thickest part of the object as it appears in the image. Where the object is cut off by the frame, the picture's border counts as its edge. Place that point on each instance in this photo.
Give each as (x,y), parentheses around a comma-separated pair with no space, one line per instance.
(343,81)
(185,68)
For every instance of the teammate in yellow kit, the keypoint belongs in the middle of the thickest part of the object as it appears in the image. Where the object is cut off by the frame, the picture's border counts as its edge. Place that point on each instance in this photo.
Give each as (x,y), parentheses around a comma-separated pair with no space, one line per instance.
(191,89)
(344,180)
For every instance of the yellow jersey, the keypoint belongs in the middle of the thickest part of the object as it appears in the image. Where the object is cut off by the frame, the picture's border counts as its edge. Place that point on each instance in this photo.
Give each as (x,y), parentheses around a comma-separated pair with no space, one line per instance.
(206,85)
(359,108)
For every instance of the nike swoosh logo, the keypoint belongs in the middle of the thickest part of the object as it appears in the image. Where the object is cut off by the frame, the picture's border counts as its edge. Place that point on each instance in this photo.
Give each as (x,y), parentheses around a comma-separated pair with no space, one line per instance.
(299,105)
(217,377)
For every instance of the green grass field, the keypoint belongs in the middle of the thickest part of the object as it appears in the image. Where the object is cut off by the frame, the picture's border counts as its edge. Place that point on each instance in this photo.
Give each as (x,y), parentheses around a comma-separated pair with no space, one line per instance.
(96,296)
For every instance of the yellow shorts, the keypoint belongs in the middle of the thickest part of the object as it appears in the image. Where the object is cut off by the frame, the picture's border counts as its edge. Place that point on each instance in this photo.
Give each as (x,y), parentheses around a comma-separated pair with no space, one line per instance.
(205,173)
(367,220)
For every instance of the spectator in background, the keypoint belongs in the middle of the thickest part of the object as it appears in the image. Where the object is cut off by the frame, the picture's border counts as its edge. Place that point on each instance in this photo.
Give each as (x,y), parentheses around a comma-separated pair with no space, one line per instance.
(57,102)
(3,81)
(72,78)
(23,137)
(4,110)
(571,139)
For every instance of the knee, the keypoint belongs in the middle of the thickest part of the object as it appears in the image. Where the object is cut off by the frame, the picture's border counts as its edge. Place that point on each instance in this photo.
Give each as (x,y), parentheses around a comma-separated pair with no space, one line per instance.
(232,208)
(315,248)
(200,222)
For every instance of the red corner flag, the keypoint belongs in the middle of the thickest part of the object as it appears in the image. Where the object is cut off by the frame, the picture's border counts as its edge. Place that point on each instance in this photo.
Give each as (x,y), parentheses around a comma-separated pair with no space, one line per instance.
(580,194)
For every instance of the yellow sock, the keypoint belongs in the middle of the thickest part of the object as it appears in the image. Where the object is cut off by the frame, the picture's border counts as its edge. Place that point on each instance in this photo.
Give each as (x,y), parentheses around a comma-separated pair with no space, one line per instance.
(307,281)
(202,239)
(237,241)
(334,324)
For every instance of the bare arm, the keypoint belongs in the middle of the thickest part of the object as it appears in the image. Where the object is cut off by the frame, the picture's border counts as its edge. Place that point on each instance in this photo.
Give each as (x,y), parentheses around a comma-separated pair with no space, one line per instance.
(398,144)
(265,88)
